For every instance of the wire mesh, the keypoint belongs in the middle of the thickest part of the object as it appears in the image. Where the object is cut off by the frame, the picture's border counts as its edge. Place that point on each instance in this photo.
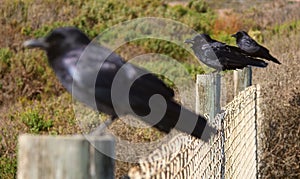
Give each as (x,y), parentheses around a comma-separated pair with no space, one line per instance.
(231,153)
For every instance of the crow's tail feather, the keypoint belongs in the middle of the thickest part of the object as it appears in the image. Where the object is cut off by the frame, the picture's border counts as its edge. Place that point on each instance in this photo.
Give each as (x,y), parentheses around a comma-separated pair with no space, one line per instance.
(186,121)
(273,59)
(256,62)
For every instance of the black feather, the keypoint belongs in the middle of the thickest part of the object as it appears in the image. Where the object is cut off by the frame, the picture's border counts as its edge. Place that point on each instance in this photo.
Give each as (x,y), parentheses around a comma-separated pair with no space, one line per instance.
(220,56)
(252,48)
(91,72)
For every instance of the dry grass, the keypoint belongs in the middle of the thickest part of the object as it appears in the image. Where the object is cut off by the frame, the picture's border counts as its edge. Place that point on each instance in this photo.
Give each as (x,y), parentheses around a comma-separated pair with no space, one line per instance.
(273,13)
(280,88)
(228,22)
(281,108)
(28,84)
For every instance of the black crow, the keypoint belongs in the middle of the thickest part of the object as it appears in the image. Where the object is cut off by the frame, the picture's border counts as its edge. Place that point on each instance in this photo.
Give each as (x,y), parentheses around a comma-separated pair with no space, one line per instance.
(99,78)
(251,47)
(220,56)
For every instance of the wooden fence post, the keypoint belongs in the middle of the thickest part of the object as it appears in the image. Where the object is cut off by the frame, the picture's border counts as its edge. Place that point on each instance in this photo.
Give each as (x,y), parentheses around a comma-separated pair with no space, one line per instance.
(242,79)
(60,157)
(102,151)
(208,92)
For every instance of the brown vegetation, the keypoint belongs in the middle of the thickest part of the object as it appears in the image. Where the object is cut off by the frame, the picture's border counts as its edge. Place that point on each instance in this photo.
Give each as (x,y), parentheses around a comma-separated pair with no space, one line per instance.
(280,90)
(32,100)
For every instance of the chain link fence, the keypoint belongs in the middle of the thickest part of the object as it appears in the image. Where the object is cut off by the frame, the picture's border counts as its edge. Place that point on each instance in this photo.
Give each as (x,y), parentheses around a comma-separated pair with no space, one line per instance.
(232,152)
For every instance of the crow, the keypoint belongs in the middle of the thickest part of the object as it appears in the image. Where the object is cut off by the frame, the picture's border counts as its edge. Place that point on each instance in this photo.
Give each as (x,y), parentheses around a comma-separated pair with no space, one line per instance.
(251,47)
(98,77)
(220,56)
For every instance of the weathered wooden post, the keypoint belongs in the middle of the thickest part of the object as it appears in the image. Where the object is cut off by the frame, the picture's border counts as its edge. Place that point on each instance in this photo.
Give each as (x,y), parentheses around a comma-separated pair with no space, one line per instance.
(208,96)
(63,157)
(102,152)
(242,79)
(208,92)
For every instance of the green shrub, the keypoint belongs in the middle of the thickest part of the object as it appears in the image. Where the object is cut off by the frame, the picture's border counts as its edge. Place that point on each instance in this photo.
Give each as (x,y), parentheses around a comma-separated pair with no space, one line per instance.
(5,56)
(287,27)
(8,167)
(34,83)
(36,122)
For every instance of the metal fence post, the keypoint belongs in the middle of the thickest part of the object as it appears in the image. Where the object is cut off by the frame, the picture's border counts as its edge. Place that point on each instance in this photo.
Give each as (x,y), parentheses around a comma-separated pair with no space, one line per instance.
(259,131)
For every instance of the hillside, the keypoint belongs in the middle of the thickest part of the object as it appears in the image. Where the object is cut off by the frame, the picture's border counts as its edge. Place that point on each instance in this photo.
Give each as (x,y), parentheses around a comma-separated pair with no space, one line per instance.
(33,101)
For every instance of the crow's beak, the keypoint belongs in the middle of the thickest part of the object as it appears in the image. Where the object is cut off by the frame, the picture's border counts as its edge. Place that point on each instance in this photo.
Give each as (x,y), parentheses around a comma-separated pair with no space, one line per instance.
(36,43)
(233,35)
(189,41)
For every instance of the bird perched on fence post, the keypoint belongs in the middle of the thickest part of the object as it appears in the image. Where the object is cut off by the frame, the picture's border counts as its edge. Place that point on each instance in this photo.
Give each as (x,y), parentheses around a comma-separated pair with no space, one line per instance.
(99,77)
(220,56)
(252,48)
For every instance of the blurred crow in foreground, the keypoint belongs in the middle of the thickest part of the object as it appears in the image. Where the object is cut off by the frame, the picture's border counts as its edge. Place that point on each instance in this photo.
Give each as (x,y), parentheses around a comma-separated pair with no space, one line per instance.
(220,56)
(251,47)
(99,78)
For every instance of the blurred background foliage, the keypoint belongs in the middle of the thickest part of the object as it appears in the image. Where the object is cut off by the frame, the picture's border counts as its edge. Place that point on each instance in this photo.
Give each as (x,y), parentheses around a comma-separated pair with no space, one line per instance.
(33,101)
